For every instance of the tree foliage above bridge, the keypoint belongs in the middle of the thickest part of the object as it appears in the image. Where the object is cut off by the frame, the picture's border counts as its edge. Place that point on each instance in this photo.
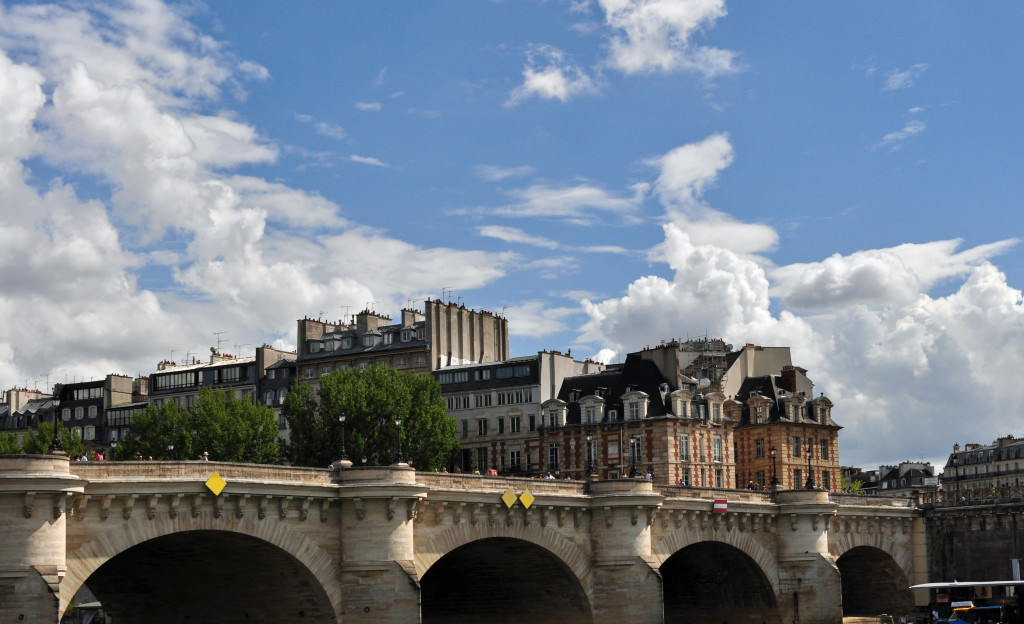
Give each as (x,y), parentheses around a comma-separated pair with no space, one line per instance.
(227,428)
(371,400)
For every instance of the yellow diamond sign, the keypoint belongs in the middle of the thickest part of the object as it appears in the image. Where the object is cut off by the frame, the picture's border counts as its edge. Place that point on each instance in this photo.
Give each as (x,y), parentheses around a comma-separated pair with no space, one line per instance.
(509,497)
(526,498)
(216,484)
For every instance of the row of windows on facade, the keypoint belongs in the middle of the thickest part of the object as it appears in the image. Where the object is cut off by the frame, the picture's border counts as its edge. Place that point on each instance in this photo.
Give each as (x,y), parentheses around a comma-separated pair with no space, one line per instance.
(310,372)
(368,340)
(191,378)
(797,448)
(705,477)
(189,400)
(487,399)
(515,424)
(502,372)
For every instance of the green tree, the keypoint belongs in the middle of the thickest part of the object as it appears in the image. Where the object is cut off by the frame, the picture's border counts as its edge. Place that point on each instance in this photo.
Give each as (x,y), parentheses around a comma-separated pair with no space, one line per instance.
(371,400)
(38,441)
(9,444)
(229,429)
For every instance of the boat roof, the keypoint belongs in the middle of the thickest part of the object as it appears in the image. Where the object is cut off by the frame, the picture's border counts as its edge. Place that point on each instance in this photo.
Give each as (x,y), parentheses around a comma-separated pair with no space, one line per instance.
(945,584)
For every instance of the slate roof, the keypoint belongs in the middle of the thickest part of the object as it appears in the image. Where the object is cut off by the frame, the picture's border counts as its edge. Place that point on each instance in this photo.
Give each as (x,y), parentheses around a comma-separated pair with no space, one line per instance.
(358,348)
(635,373)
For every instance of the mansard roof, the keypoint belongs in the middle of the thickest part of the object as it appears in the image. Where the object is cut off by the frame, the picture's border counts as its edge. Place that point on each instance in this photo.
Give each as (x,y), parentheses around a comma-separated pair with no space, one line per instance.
(770,387)
(357,347)
(635,373)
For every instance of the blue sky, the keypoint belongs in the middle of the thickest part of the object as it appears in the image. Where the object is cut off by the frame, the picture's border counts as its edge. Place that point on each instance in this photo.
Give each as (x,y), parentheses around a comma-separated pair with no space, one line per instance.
(839,178)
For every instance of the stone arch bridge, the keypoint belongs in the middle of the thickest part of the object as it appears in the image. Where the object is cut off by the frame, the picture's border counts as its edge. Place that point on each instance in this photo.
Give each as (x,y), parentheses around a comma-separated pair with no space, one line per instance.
(153,543)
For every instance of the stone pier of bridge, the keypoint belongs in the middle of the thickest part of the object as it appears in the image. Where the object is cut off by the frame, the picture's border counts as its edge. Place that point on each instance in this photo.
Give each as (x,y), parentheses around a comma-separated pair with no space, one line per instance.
(392,545)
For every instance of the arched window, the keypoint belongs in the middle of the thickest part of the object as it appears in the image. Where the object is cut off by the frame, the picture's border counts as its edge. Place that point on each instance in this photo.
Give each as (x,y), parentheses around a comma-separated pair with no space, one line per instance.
(79,413)
(90,433)
(281,394)
(268,397)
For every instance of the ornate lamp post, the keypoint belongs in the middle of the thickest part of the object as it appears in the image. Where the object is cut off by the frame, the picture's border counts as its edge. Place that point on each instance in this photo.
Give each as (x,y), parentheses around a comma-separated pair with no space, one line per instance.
(399,459)
(775,472)
(56,446)
(810,475)
(170,451)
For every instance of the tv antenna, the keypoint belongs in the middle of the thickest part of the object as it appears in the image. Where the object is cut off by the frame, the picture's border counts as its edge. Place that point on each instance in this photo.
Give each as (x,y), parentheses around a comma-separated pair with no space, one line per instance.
(219,339)
(446,292)
(238,349)
(346,308)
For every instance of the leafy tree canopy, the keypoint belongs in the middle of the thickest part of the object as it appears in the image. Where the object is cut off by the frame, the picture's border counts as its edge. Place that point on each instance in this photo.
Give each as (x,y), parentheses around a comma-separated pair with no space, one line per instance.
(9,444)
(39,440)
(372,400)
(229,429)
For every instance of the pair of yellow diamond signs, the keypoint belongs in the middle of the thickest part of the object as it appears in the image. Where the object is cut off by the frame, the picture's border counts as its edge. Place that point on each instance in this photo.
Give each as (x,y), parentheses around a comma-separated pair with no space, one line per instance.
(509,498)
(216,485)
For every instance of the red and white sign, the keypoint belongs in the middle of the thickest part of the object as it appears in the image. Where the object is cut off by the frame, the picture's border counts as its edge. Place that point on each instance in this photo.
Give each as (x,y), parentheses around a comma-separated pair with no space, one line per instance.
(721,506)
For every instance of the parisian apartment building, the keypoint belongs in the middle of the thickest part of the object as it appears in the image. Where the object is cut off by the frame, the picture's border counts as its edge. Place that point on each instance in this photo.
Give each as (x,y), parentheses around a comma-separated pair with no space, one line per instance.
(684,412)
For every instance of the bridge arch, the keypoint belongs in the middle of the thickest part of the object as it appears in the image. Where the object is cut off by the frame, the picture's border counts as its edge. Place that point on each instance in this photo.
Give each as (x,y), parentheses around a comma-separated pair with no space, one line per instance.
(898,550)
(708,578)
(502,580)
(548,538)
(743,541)
(309,557)
(873,582)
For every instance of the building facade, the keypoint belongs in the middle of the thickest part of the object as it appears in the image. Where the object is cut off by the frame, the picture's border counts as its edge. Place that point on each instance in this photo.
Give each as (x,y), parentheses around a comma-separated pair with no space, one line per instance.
(442,335)
(497,408)
(988,468)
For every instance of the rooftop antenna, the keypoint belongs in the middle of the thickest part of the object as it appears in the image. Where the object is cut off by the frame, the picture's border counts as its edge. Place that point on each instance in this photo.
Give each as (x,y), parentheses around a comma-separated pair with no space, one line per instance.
(47,386)
(370,304)
(503,308)
(238,349)
(408,303)
(219,339)
(347,308)
(446,291)
(459,301)
(188,355)
(172,355)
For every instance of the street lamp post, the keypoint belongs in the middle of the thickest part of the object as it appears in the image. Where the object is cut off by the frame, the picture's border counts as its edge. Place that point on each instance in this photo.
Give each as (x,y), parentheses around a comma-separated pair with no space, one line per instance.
(170,451)
(634,442)
(775,472)
(399,459)
(56,446)
(956,475)
(341,420)
(590,463)
(810,474)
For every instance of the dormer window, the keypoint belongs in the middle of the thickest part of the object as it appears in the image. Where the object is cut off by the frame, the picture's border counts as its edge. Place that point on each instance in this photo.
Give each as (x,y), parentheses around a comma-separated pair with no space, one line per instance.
(574,395)
(316,347)
(388,338)
(346,343)
(369,340)
(406,335)
(633,410)
(421,334)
